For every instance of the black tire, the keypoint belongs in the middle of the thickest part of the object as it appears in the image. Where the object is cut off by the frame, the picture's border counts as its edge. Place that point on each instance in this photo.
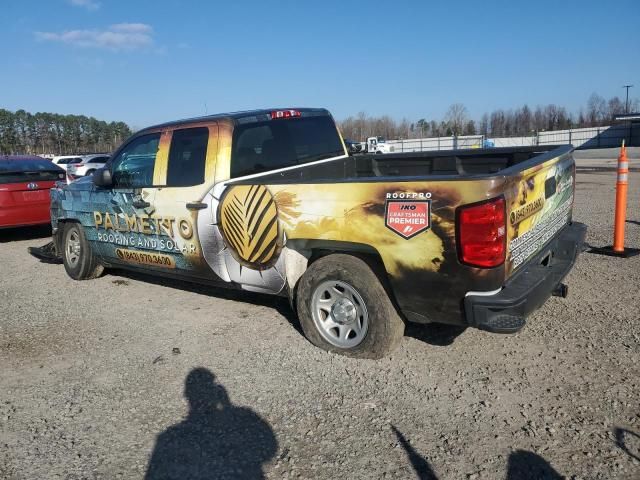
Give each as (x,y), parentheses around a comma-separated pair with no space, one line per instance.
(80,263)
(385,327)
(89,173)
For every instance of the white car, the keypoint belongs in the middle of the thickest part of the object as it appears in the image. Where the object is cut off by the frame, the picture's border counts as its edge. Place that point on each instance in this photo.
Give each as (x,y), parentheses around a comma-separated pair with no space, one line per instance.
(87,165)
(63,161)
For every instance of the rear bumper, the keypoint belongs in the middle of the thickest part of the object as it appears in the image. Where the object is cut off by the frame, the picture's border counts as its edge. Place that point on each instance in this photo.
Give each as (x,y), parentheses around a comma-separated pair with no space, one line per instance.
(506,310)
(22,216)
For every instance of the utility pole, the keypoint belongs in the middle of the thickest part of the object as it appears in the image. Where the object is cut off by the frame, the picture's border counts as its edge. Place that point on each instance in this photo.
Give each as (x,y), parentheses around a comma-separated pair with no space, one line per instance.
(626,102)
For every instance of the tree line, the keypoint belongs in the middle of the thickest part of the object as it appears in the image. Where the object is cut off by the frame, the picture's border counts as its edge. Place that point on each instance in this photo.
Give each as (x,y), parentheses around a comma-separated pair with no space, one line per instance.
(51,133)
(41,133)
(522,121)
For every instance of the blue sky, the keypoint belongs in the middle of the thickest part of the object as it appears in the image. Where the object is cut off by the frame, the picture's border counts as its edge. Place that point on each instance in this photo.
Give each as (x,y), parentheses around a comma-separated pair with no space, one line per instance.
(147,61)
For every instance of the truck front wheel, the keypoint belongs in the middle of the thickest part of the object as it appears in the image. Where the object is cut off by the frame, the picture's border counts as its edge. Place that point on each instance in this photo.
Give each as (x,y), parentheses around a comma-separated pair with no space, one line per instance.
(344,308)
(79,261)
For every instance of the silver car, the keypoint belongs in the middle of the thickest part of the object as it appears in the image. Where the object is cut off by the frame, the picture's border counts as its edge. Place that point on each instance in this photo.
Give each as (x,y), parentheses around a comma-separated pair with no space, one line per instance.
(87,165)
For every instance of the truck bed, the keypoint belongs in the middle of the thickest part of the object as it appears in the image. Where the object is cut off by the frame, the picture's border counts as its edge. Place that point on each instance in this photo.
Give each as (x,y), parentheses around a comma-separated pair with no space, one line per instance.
(468,162)
(451,164)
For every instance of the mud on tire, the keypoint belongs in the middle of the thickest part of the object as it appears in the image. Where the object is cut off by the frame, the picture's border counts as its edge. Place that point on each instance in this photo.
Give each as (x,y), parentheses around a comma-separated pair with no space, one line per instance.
(337,293)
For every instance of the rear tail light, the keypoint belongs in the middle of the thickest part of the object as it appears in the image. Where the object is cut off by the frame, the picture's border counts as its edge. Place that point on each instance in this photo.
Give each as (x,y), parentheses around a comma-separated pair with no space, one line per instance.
(284,114)
(482,233)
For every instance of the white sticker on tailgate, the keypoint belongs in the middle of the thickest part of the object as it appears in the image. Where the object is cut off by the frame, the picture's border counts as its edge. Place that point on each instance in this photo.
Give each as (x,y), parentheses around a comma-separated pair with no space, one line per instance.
(528,243)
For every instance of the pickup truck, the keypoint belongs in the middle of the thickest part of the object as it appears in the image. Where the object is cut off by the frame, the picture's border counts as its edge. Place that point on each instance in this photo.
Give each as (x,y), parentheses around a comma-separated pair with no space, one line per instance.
(270,201)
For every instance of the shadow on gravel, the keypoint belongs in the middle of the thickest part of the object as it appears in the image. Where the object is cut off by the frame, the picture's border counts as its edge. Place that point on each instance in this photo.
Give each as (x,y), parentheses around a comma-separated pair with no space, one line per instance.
(437,334)
(635,222)
(280,304)
(525,465)
(24,233)
(622,437)
(216,440)
(522,465)
(420,464)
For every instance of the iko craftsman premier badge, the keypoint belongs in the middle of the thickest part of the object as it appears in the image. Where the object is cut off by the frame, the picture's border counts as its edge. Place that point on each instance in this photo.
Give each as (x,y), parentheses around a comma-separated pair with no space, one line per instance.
(408,218)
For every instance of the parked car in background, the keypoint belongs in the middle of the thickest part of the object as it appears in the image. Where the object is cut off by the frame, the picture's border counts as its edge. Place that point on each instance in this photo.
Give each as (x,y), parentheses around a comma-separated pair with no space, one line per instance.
(353,146)
(86,166)
(63,161)
(25,182)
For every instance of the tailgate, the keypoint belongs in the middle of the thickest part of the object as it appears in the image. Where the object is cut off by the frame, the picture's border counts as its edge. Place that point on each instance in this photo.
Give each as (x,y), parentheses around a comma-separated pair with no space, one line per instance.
(539,202)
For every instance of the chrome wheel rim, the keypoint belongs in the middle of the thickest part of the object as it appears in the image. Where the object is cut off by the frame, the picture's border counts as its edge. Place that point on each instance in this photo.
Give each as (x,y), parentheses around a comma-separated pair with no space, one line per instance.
(73,248)
(340,314)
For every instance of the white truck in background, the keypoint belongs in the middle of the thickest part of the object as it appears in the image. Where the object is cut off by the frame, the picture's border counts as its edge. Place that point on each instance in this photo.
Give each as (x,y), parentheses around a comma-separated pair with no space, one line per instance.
(377,145)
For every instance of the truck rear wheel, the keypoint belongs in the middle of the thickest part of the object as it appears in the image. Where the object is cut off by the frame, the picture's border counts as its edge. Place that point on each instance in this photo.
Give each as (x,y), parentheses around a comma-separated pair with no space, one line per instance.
(344,308)
(79,261)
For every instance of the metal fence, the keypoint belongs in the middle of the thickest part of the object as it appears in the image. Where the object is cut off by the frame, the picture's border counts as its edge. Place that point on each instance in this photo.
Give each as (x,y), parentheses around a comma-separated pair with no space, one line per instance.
(437,143)
(599,137)
(581,138)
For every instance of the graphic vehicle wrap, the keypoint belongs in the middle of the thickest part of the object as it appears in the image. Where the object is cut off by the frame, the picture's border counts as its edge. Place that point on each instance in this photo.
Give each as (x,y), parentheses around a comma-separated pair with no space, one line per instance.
(258,232)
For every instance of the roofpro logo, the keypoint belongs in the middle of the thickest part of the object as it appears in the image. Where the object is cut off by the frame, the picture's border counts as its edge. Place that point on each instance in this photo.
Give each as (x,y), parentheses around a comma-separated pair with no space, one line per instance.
(407,217)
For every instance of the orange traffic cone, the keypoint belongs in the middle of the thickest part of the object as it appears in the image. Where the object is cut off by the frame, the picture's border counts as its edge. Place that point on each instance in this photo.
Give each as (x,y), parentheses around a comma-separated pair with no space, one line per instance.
(621,201)
(618,249)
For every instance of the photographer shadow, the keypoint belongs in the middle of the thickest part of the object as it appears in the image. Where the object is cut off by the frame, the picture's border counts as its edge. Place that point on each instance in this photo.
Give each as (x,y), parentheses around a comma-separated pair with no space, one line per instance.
(216,440)
(524,465)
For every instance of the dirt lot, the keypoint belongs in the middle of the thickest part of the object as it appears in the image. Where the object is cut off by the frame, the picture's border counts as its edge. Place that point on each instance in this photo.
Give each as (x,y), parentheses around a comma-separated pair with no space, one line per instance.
(115,377)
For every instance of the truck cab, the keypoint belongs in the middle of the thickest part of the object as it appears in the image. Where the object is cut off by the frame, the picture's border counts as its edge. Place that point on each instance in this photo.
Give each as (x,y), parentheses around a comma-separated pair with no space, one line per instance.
(378,145)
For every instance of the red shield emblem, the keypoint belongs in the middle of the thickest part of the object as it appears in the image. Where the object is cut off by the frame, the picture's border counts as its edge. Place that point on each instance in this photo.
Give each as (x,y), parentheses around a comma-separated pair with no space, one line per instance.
(408,217)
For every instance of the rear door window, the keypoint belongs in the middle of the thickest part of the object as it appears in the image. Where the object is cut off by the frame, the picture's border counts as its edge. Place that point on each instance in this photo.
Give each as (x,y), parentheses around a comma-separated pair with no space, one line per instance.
(187,157)
(98,160)
(279,143)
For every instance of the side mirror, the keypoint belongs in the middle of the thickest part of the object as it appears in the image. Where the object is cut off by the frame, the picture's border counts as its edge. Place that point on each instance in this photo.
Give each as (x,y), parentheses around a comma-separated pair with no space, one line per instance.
(102,177)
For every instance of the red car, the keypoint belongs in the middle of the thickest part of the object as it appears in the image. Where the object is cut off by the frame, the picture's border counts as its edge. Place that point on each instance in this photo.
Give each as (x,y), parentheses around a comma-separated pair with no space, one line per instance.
(25,182)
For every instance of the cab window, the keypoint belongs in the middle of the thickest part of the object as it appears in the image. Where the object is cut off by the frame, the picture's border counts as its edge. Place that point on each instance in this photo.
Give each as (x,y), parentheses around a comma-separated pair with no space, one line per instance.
(133,166)
(268,145)
(187,157)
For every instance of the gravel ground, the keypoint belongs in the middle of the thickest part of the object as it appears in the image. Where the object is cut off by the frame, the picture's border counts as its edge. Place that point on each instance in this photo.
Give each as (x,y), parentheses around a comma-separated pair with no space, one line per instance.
(116,377)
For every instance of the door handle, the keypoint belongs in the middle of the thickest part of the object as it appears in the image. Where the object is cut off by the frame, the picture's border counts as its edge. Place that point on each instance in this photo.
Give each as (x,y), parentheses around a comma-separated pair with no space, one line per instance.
(196,205)
(140,204)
